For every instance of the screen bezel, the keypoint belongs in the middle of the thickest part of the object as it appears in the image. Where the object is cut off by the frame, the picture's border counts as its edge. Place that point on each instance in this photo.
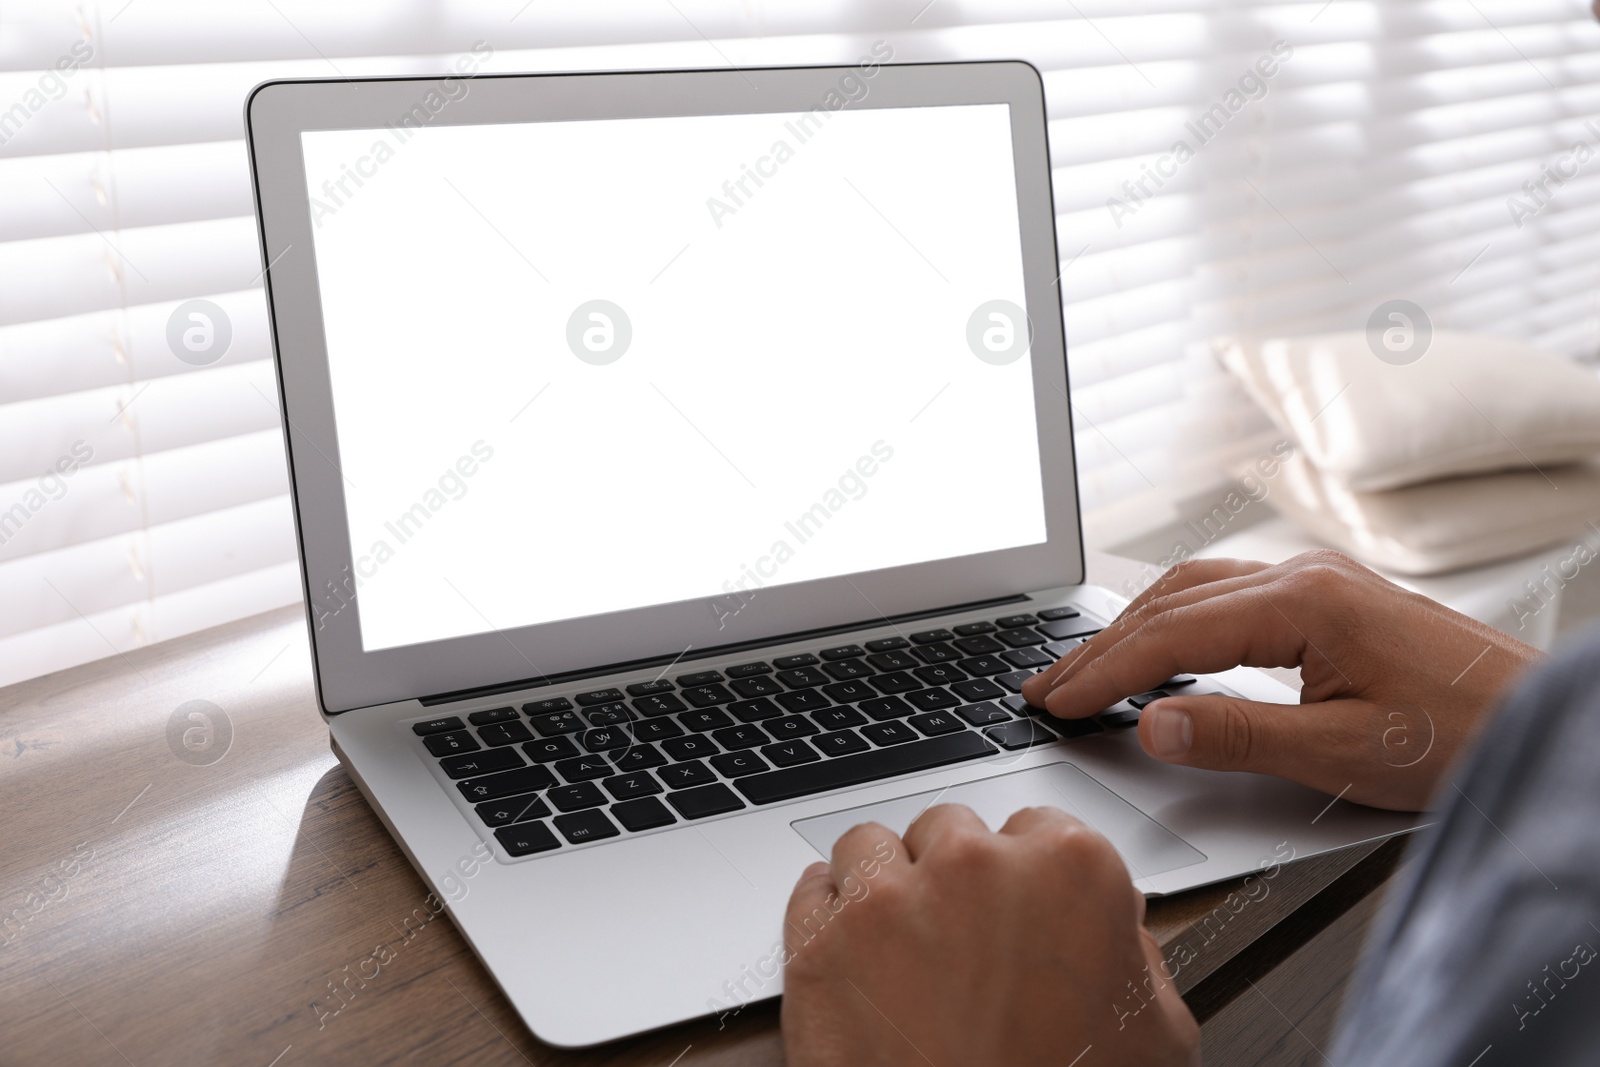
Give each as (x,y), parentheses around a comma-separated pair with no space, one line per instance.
(347,676)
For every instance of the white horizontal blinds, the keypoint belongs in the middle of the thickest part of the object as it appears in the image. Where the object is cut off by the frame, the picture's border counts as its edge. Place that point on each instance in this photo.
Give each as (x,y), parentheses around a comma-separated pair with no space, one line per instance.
(1376,164)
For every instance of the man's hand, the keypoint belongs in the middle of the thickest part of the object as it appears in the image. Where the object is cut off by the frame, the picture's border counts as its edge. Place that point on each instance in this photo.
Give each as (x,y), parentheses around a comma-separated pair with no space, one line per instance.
(958,946)
(1393,684)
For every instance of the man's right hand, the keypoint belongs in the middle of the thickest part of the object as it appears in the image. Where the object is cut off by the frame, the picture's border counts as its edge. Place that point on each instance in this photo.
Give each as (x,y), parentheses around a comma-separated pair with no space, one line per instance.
(1394,684)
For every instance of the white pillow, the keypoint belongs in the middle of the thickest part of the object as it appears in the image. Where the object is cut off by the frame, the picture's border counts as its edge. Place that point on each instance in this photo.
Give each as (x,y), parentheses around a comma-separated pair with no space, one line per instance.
(1447,524)
(1471,403)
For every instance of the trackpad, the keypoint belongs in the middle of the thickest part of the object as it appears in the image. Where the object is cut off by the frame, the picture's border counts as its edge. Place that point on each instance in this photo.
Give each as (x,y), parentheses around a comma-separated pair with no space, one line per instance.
(1147,847)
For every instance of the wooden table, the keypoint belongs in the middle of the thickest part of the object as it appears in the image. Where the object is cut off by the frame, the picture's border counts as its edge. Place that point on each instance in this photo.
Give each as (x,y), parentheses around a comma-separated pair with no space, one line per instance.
(156,909)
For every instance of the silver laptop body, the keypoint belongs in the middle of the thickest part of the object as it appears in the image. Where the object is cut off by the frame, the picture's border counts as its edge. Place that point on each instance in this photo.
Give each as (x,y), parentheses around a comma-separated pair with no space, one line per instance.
(683,473)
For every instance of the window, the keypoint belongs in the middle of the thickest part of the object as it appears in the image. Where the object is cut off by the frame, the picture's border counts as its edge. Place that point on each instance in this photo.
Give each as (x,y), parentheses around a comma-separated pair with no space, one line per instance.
(1336,153)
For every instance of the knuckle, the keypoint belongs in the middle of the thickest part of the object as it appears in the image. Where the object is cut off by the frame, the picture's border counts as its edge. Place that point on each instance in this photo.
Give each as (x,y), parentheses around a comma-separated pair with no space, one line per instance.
(1236,740)
(964,850)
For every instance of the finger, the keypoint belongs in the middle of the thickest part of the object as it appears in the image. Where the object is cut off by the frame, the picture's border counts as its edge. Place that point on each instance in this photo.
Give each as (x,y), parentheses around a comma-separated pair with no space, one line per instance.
(1214,634)
(1314,744)
(862,846)
(810,894)
(939,822)
(1028,820)
(1179,591)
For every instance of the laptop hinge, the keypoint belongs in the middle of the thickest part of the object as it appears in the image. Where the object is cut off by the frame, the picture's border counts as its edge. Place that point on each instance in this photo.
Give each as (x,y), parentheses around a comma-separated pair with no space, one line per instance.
(710,652)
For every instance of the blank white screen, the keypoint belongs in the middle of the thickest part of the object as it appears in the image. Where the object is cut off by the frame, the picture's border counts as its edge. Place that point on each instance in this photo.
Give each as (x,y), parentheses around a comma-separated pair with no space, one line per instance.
(781,332)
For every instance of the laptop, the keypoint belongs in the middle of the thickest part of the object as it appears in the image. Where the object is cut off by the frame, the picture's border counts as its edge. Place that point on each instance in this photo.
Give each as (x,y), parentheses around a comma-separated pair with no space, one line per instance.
(683,471)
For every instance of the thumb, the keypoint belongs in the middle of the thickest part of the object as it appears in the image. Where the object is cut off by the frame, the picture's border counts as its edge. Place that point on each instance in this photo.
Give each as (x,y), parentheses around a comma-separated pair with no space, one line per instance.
(1226,733)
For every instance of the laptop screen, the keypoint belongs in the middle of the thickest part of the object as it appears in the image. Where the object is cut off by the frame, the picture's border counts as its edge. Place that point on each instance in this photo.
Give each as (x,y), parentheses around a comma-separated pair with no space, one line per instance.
(583,367)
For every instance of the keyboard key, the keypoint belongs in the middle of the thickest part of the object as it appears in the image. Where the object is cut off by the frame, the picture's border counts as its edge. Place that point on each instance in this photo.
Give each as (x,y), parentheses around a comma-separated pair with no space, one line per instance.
(790,754)
(1021,637)
(682,775)
(699,678)
(1052,614)
(983,714)
(737,737)
(979,646)
(526,839)
(1119,720)
(755,687)
(789,782)
(939,674)
(843,652)
(1019,733)
(649,689)
(977,689)
(547,705)
(604,739)
(935,723)
(790,727)
(849,692)
(692,747)
(586,826)
(1017,705)
(803,700)
(1061,648)
(512,809)
(789,663)
(452,743)
(576,797)
(802,677)
(884,708)
(506,783)
(473,763)
(438,726)
(598,696)
(505,733)
(936,653)
(754,710)
(895,682)
(926,637)
(638,758)
(846,669)
(584,768)
(893,661)
(1011,622)
(932,699)
(555,723)
(1178,681)
(628,786)
(549,749)
(748,670)
(656,730)
(1065,628)
(734,764)
(1072,728)
(838,718)
(646,813)
(1147,698)
(841,743)
(1027,657)
(484,718)
(970,629)
(888,733)
(705,696)
(984,665)
(1014,680)
(658,704)
(701,721)
(704,801)
(887,644)
(608,715)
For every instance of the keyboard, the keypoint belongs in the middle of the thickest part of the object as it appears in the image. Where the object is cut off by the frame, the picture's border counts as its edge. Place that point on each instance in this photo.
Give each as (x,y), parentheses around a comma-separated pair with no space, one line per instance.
(589,766)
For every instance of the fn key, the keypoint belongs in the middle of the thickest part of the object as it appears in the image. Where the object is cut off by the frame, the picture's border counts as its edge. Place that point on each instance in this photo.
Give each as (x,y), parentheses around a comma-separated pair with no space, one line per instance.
(527,838)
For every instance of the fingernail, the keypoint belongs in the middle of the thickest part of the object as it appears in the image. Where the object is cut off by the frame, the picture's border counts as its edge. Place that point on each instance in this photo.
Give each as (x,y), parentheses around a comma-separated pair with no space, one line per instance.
(1171,730)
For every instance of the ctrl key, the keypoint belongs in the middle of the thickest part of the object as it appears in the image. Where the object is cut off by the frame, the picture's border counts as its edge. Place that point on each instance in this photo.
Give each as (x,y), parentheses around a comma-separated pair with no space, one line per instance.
(582,826)
(526,838)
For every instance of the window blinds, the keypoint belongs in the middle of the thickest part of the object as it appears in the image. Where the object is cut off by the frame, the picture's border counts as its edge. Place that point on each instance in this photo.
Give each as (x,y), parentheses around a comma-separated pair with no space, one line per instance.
(1218,167)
